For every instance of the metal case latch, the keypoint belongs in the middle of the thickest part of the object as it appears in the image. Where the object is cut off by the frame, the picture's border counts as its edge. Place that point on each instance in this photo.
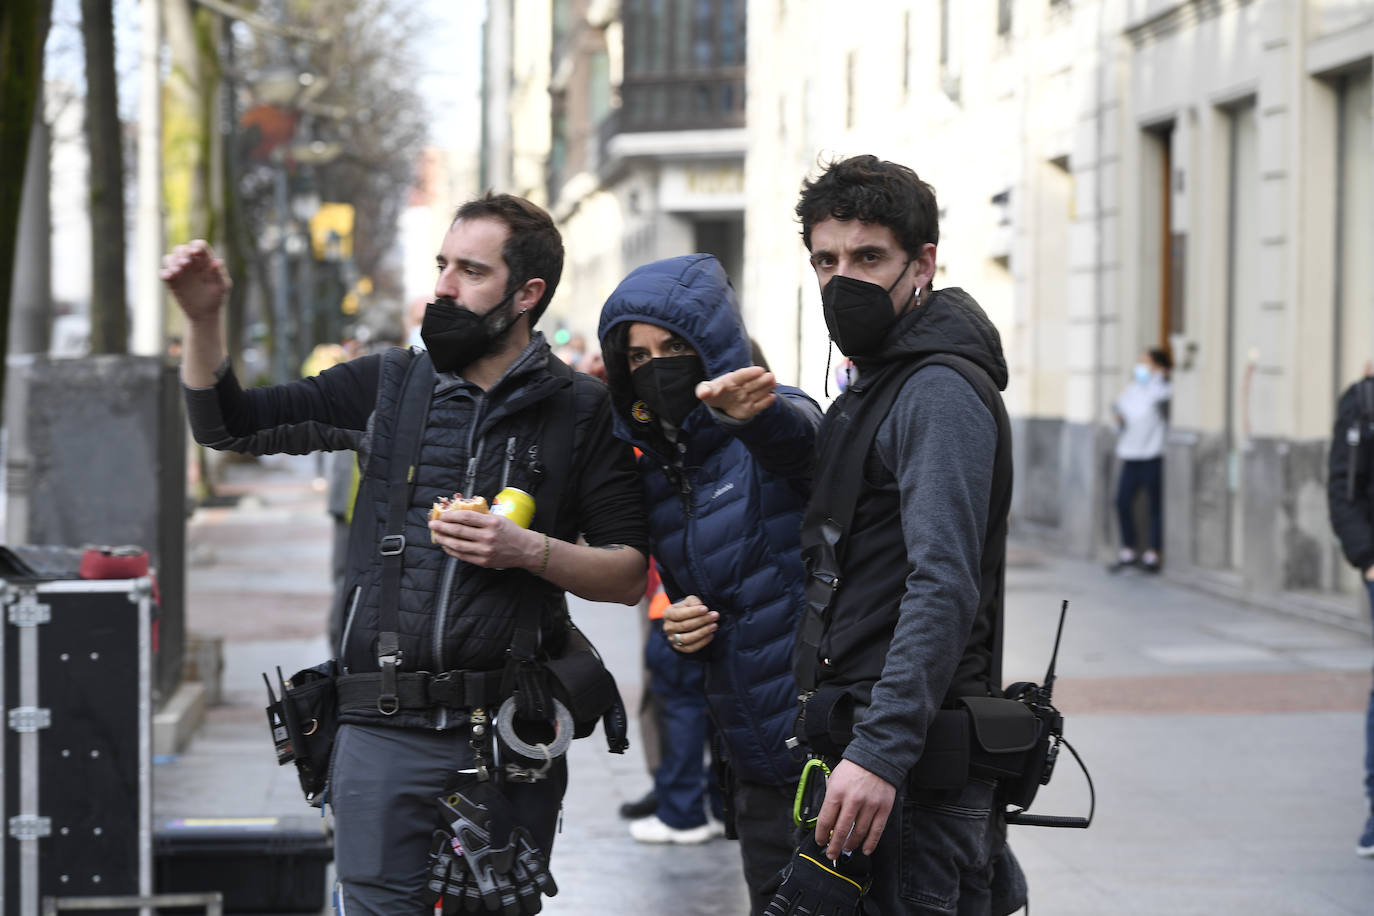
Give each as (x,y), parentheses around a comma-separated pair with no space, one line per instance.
(30,827)
(29,718)
(28,611)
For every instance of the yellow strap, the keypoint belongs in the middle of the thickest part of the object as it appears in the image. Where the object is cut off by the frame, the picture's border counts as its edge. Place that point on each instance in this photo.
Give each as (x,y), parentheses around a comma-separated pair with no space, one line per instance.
(859,887)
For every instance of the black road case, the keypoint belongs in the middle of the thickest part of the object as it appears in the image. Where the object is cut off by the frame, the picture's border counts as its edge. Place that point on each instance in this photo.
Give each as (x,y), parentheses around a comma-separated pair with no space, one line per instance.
(76,744)
(260,864)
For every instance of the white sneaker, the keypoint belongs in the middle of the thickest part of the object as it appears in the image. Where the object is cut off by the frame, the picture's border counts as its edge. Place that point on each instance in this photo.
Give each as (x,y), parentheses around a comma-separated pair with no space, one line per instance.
(652,830)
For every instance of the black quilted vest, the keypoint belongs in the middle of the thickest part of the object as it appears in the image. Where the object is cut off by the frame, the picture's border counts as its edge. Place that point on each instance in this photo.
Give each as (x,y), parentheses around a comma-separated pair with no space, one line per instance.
(452,615)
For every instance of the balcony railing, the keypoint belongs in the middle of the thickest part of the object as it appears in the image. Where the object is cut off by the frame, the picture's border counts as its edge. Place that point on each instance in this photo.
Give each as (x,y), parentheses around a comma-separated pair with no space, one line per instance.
(694,101)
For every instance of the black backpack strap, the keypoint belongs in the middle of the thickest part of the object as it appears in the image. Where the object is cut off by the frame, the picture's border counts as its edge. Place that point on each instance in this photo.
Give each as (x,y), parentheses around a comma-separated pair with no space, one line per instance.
(557,428)
(416,393)
(835,495)
(834,498)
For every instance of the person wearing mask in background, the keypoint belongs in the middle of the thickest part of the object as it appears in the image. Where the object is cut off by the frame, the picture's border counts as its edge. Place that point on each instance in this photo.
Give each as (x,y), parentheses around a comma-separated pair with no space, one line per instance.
(1350,499)
(1142,420)
(905,547)
(725,470)
(448,615)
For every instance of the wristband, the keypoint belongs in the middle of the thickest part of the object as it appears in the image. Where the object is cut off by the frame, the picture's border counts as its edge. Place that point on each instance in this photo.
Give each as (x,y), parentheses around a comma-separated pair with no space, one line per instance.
(544,567)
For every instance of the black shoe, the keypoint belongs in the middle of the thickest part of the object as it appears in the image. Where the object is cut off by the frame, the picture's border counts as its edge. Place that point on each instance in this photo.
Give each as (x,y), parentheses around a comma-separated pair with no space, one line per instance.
(634,810)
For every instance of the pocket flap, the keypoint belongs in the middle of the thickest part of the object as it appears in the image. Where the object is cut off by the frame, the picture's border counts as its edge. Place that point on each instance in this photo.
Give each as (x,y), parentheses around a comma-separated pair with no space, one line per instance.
(1002,726)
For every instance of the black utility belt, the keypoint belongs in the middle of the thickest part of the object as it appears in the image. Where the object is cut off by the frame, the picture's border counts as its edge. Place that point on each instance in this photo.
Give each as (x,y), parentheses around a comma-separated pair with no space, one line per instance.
(985,737)
(421,690)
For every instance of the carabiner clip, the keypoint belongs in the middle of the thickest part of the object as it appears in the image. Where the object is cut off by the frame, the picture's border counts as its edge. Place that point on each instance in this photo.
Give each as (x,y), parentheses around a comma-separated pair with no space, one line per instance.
(806,806)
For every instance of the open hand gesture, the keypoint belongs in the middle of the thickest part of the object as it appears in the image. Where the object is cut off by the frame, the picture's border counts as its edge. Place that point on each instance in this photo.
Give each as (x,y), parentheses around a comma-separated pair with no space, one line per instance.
(741,394)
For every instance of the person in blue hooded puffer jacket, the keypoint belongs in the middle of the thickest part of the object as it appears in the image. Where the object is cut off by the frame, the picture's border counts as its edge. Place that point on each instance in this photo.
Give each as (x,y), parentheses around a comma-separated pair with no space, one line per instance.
(726,465)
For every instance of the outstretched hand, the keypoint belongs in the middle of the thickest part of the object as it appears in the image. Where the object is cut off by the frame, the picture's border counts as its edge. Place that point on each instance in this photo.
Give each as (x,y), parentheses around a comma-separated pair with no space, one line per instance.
(741,394)
(197,279)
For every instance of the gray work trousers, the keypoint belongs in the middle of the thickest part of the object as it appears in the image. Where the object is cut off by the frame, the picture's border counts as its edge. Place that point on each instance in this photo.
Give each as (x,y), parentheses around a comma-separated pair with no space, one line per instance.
(383,786)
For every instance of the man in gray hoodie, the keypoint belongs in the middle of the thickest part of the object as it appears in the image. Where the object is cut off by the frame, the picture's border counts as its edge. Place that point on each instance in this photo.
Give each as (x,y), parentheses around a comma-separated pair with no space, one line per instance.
(906,563)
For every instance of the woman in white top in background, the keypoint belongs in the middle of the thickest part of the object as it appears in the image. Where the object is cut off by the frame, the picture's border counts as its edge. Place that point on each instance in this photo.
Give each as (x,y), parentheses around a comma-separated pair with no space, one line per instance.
(1142,417)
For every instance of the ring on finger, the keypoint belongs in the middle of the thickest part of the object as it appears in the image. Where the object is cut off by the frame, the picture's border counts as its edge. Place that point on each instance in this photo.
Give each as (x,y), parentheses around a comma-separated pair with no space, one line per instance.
(677,639)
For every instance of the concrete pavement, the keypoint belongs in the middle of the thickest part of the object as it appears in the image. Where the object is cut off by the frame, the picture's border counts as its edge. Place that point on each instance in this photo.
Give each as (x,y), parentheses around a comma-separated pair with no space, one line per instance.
(1225,742)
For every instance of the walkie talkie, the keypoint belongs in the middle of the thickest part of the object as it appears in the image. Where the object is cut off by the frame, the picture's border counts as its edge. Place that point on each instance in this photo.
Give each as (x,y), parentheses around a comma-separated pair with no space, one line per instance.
(1040,759)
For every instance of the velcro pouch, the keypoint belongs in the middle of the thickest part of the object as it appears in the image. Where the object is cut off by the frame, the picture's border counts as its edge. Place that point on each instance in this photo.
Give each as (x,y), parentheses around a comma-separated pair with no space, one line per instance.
(1004,732)
(579,679)
(944,762)
(828,721)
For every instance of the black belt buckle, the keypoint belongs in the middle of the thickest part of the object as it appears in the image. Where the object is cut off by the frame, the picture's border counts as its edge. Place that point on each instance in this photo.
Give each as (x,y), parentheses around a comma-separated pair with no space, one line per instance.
(392,544)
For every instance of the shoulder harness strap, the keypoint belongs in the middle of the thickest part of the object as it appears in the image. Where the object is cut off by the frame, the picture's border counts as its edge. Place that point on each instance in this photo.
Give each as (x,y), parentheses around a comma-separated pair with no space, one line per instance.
(416,391)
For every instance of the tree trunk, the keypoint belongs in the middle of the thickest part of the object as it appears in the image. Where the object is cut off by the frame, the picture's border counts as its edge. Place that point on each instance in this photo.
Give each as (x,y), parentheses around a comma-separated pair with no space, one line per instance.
(109,305)
(23,32)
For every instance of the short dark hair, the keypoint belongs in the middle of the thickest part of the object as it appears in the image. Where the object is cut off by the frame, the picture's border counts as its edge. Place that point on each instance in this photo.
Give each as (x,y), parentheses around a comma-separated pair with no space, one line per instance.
(535,247)
(1161,358)
(872,190)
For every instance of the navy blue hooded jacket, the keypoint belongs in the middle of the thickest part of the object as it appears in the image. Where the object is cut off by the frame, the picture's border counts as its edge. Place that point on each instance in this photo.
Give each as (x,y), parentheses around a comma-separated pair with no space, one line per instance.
(725,506)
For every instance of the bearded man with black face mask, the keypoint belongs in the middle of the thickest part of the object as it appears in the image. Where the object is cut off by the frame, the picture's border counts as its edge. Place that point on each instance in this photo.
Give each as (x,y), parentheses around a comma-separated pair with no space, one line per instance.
(726,469)
(904,543)
(450,620)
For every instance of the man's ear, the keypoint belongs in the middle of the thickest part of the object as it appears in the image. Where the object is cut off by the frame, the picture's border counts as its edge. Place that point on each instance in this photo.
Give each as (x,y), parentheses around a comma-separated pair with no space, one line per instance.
(529,294)
(925,266)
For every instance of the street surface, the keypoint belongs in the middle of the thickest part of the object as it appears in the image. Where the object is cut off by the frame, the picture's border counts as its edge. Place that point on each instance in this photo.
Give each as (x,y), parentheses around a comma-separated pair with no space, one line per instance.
(1225,742)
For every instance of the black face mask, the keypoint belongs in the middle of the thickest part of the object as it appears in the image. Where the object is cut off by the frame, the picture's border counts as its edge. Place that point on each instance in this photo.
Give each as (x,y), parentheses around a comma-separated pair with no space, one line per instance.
(667,386)
(858,313)
(456,336)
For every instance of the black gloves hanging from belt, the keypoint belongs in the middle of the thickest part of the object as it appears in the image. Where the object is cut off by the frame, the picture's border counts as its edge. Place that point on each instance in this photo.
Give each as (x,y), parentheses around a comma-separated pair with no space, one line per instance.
(812,885)
(481,860)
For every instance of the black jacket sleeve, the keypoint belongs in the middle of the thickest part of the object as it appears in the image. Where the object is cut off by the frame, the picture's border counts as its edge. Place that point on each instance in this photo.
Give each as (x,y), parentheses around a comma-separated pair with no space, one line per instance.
(1352,508)
(325,412)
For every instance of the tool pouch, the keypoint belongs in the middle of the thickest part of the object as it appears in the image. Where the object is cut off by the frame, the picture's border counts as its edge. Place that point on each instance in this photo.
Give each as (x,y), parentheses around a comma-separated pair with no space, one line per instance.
(304,720)
(826,721)
(580,680)
(988,737)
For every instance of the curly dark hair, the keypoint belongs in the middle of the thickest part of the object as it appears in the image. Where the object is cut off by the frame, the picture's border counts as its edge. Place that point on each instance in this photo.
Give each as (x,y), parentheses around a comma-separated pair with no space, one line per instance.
(872,190)
(535,247)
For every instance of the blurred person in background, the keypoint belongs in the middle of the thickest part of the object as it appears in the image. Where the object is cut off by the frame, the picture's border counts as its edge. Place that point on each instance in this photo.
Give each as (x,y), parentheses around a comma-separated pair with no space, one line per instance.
(1142,422)
(725,468)
(1350,499)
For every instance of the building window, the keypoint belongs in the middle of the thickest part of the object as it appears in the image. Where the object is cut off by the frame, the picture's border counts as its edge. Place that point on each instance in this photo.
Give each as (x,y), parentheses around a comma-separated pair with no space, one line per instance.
(684,64)
(906,54)
(849,90)
(949,57)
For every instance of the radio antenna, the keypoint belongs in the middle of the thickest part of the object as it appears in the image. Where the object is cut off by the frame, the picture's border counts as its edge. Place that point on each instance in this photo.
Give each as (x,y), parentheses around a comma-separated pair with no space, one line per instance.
(1054,656)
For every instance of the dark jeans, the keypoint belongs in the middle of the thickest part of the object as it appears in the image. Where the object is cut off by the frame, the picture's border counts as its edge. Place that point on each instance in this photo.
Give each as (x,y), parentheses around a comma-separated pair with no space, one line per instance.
(383,787)
(680,782)
(1147,474)
(945,854)
(767,836)
(1369,726)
